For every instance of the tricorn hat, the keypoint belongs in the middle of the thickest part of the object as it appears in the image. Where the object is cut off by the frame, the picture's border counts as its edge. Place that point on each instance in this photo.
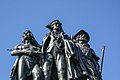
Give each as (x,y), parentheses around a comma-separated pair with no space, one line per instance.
(82,32)
(53,22)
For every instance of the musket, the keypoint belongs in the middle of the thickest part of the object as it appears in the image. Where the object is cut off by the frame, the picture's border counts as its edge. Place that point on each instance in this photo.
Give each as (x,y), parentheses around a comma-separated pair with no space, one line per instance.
(21,52)
(102,58)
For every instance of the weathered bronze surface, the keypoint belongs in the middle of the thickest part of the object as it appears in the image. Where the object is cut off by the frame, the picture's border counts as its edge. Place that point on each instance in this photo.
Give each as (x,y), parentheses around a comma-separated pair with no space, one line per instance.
(60,57)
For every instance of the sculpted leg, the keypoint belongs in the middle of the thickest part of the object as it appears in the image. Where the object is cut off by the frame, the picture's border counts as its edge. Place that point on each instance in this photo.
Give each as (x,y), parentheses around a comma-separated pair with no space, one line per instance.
(47,67)
(36,72)
(61,67)
(21,69)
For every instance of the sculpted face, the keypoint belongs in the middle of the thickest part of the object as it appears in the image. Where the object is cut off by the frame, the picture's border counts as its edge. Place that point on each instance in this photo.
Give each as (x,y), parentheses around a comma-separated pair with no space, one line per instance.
(27,37)
(81,38)
(56,27)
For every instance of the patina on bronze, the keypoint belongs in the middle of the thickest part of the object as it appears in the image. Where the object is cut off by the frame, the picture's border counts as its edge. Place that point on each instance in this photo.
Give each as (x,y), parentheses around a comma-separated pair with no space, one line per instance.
(60,57)
(26,66)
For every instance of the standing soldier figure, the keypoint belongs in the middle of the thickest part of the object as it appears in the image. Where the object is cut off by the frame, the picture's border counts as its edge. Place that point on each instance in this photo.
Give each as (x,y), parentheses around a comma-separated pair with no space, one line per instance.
(53,47)
(89,58)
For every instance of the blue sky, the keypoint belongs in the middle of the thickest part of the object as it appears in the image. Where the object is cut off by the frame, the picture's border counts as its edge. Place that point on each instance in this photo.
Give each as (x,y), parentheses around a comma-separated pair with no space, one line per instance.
(100,18)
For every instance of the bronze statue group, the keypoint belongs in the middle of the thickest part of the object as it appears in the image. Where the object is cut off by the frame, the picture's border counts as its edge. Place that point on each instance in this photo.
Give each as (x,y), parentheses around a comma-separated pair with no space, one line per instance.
(59,57)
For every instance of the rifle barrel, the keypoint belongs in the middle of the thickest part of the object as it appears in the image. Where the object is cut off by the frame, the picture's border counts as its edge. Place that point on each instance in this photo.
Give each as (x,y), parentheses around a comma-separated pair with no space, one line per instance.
(9,49)
(102,58)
